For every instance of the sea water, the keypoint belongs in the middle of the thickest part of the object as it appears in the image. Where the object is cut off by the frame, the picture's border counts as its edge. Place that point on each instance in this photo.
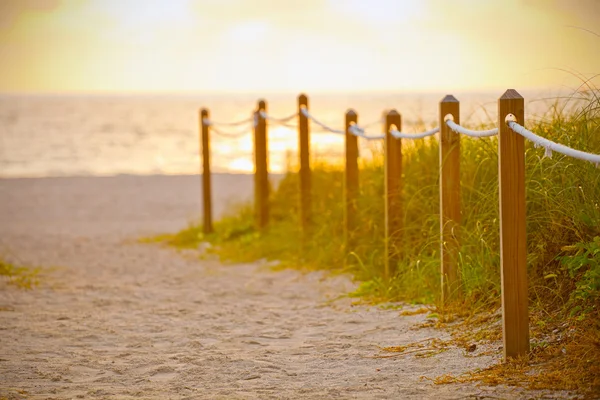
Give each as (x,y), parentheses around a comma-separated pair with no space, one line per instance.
(95,135)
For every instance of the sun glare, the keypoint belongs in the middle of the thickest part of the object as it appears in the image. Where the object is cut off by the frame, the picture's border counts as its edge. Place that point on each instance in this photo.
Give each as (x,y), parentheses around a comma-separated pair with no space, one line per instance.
(316,46)
(241,165)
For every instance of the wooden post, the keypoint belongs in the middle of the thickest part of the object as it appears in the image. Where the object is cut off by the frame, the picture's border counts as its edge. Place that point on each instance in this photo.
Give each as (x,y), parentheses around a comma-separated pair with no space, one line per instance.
(513,239)
(449,199)
(351,181)
(393,192)
(305,183)
(261,175)
(207,225)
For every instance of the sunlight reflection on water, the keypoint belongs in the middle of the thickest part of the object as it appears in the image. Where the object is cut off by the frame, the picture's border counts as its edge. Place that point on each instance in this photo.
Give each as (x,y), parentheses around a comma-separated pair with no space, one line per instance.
(108,135)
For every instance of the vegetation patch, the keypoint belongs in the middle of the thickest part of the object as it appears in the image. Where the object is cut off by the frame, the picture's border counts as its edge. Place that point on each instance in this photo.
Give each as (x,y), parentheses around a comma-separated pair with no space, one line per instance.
(563,246)
(22,277)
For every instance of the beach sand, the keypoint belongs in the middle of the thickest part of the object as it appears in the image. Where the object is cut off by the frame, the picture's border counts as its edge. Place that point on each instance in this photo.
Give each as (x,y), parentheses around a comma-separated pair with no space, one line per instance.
(114,318)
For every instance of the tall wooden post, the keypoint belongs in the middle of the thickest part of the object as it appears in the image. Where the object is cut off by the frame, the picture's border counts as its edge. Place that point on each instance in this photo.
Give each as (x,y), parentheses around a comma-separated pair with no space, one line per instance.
(449,199)
(393,193)
(261,175)
(207,224)
(351,182)
(305,183)
(513,239)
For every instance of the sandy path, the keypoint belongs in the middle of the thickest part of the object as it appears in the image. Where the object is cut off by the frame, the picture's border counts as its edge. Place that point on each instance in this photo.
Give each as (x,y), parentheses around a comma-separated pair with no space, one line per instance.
(118,319)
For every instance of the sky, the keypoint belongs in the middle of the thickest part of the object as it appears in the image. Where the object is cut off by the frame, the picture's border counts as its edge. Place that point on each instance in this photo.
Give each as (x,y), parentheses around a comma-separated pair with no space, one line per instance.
(281,46)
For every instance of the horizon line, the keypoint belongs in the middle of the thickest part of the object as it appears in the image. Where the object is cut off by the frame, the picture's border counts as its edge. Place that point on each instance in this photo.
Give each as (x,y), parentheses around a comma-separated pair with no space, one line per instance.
(193,93)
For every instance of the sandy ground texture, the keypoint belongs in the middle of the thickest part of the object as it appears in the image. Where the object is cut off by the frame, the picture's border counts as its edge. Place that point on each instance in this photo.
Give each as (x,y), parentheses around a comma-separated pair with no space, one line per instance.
(115,319)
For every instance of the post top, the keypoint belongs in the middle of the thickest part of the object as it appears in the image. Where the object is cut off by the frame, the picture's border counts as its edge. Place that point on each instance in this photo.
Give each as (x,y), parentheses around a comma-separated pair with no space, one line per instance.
(449,99)
(204,112)
(351,113)
(302,98)
(511,94)
(392,113)
(262,104)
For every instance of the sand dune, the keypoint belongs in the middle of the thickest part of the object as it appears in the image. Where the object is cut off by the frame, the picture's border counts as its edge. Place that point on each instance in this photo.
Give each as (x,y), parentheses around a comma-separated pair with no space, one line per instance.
(117,319)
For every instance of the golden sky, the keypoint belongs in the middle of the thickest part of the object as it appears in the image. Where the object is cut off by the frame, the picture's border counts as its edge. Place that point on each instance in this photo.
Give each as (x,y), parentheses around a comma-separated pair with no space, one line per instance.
(291,46)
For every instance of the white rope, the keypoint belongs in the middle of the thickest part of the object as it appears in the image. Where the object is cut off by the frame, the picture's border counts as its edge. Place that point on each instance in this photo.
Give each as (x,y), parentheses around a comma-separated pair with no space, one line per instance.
(476,134)
(219,132)
(402,135)
(289,126)
(208,122)
(231,135)
(304,111)
(549,145)
(280,121)
(237,123)
(360,132)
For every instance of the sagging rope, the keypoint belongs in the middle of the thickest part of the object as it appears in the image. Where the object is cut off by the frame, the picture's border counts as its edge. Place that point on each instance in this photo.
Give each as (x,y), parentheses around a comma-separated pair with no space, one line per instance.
(468,132)
(304,111)
(237,123)
(280,121)
(401,135)
(230,135)
(234,135)
(549,145)
(360,132)
(354,129)
(289,126)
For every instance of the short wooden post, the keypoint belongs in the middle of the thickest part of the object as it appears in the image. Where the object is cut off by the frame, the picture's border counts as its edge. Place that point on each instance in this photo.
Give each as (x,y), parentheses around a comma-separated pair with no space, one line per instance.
(261,175)
(305,182)
(393,192)
(351,182)
(207,224)
(513,239)
(449,199)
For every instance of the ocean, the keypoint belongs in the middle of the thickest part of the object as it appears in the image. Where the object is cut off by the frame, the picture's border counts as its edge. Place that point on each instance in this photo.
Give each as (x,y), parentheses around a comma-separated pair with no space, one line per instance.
(104,135)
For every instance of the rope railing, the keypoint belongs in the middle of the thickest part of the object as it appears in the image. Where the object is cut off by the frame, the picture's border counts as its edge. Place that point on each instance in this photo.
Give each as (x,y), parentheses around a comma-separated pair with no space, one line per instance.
(360,132)
(231,135)
(511,190)
(305,112)
(280,121)
(236,123)
(401,135)
(549,145)
(538,141)
(354,129)
(468,132)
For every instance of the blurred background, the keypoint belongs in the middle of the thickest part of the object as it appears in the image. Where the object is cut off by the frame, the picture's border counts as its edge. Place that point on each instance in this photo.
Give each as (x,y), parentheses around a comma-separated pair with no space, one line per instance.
(105,87)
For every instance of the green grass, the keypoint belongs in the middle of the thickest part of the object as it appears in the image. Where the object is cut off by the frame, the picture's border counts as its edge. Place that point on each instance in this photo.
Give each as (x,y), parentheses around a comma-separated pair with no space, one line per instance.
(563,245)
(22,277)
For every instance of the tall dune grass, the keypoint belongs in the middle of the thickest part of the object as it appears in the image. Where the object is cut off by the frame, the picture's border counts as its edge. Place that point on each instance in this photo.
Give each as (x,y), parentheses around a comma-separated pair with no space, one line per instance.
(562,210)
